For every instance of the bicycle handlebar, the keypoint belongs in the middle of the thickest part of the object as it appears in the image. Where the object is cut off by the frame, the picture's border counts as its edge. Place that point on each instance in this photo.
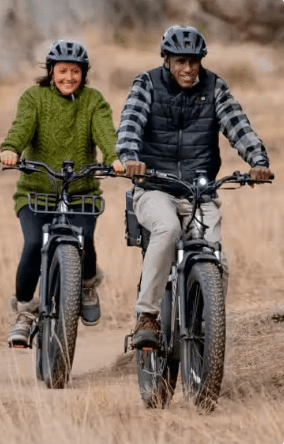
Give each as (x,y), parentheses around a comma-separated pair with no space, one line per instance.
(200,184)
(67,172)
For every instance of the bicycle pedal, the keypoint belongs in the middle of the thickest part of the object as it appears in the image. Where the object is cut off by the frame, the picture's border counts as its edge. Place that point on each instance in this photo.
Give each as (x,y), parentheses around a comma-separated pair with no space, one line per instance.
(18,346)
(127,346)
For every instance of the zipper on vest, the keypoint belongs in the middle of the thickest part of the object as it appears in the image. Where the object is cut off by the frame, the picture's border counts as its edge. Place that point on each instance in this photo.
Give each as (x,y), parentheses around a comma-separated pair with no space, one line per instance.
(179,151)
(180,136)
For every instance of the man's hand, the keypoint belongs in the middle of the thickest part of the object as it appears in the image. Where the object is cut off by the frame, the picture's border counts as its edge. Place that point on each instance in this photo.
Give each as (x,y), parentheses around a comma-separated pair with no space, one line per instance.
(134,167)
(9,158)
(118,167)
(261,173)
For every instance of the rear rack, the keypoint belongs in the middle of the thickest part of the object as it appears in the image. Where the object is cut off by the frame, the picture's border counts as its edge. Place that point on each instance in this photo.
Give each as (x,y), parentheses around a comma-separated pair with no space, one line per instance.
(48,203)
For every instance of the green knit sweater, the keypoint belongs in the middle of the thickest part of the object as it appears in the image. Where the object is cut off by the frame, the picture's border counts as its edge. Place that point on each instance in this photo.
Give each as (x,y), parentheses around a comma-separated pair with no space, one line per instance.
(51,128)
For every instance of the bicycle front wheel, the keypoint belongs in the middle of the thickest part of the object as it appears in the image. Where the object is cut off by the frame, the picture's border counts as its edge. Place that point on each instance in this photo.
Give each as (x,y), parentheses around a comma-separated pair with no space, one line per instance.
(60,329)
(202,353)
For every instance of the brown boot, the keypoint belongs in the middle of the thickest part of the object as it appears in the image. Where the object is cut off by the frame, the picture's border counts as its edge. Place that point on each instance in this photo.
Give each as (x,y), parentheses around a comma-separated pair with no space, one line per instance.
(91,310)
(25,314)
(146,332)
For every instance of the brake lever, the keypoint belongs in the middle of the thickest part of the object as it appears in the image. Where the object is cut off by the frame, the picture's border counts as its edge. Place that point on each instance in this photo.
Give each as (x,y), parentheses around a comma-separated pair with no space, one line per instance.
(29,169)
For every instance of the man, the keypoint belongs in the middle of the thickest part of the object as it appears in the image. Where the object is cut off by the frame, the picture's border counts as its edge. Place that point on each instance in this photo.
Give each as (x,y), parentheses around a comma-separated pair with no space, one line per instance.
(170,122)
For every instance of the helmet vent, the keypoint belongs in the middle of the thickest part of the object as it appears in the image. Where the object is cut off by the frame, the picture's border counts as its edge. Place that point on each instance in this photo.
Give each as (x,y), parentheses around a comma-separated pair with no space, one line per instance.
(68,51)
(175,40)
(58,49)
(183,40)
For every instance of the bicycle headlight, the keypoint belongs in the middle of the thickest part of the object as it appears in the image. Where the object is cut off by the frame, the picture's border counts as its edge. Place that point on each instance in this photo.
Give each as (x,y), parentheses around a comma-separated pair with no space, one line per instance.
(202,181)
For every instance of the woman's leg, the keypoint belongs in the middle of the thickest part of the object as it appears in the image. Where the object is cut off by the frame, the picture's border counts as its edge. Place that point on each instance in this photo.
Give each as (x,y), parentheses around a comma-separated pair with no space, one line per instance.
(29,266)
(88,223)
(90,311)
(24,306)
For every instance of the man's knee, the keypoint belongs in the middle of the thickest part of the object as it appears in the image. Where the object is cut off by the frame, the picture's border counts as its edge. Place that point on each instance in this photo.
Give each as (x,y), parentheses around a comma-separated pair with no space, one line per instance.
(169,232)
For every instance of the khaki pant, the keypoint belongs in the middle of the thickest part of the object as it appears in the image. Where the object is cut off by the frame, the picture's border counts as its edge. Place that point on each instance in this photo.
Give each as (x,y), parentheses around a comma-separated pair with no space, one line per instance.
(159,212)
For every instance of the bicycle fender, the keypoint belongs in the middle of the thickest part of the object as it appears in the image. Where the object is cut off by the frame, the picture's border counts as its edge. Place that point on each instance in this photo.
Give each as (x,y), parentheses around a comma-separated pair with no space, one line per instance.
(190,258)
(60,239)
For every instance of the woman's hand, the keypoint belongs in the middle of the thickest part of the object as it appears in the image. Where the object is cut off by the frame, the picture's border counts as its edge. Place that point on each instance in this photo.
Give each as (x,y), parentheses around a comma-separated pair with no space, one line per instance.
(9,158)
(118,167)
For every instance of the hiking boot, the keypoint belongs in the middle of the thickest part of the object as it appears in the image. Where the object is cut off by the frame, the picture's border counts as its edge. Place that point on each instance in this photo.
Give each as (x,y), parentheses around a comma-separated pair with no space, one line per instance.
(146,332)
(25,315)
(90,310)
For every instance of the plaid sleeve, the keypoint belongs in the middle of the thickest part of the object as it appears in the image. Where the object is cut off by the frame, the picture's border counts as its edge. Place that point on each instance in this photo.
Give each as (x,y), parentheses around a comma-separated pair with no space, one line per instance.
(235,126)
(134,118)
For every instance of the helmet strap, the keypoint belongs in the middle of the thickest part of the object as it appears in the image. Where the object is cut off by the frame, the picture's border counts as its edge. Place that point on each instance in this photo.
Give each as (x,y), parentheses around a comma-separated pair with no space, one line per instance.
(167,62)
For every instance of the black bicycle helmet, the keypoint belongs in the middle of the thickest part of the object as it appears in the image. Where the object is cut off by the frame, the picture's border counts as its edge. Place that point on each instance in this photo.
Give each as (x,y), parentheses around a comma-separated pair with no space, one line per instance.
(183,40)
(68,51)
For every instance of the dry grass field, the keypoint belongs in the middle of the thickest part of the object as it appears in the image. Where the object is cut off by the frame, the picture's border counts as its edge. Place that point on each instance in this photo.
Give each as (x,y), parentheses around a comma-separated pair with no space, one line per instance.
(102,404)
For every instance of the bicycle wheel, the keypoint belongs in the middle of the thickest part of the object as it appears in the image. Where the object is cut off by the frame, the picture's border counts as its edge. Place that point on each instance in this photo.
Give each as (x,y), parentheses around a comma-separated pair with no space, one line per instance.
(158,372)
(202,353)
(60,330)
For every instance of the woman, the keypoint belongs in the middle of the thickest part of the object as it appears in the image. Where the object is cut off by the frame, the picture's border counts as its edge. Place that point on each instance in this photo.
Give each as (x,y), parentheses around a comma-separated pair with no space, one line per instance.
(59,118)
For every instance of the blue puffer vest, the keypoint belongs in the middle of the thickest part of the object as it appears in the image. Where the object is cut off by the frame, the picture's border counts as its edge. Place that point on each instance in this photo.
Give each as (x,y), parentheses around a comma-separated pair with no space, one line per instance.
(182,131)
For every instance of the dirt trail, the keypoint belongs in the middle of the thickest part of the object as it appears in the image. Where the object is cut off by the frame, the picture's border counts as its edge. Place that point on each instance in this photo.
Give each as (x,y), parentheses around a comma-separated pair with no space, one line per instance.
(96,352)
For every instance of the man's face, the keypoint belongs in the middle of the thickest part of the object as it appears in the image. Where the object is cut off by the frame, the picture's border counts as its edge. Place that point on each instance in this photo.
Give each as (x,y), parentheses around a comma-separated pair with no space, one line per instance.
(184,69)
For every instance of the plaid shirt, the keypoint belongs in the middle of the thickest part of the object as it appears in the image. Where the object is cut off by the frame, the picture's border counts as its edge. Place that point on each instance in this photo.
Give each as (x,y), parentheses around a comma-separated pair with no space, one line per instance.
(233,123)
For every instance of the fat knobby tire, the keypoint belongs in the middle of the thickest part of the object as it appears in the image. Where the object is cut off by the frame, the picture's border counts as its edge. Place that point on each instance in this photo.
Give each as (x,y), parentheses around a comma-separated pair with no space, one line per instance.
(202,354)
(60,331)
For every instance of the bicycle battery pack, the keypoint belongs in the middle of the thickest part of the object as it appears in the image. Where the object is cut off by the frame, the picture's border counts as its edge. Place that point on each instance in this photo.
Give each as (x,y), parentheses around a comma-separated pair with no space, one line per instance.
(136,235)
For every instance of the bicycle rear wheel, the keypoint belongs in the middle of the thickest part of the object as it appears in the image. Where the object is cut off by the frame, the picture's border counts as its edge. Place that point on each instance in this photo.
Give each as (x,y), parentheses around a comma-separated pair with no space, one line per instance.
(203,352)
(157,371)
(156,377)
(60,329)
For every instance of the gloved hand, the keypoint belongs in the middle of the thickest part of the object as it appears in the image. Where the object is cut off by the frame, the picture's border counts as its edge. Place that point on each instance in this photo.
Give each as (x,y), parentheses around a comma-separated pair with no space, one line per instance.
(134,167)
(261,173)
(8,157)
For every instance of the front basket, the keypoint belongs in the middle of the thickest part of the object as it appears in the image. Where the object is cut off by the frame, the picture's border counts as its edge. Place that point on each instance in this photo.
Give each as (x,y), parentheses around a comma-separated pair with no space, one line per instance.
(82,204)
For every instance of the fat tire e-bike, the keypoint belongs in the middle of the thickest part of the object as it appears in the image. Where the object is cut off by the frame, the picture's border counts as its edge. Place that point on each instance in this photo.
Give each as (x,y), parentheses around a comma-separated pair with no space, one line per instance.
(192,317)
(60,284)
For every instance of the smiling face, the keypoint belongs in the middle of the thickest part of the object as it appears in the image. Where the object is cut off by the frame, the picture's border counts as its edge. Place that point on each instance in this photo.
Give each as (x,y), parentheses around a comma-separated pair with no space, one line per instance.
(67,77)
(184,69)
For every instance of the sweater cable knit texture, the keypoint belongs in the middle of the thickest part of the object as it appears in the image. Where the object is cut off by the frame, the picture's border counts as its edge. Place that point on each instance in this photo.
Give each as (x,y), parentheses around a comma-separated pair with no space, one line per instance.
(50,128)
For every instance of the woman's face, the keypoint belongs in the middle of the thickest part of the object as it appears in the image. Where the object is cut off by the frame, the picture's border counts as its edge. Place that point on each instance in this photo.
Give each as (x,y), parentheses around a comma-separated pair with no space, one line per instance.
(67,77)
